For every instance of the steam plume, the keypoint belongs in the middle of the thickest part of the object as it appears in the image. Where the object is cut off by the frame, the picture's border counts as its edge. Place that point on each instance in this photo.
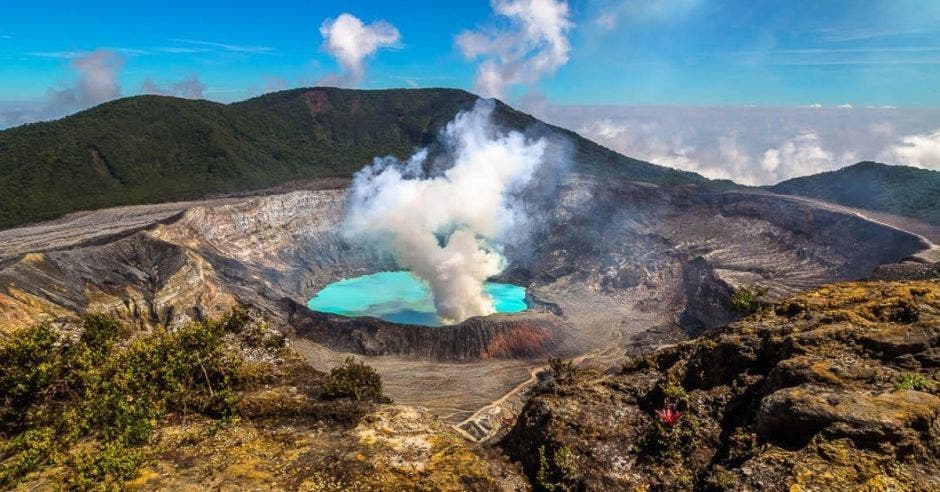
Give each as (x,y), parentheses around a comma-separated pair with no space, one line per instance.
(96,83)
(447,218)
(535,46)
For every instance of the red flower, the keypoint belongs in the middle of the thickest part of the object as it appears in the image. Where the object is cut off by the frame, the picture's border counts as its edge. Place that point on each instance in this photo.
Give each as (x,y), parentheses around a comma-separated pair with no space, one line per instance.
(669,416)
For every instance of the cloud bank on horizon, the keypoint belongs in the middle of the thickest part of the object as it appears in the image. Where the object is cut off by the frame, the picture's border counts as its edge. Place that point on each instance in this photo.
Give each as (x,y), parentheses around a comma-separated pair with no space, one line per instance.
(757,145)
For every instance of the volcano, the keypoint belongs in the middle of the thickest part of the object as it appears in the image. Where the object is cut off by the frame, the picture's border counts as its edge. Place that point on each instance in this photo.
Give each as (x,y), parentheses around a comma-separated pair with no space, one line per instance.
(624,255)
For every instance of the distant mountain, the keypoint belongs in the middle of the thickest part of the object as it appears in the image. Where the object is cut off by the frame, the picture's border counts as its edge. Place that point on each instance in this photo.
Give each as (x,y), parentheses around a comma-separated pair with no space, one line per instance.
(147,149)
(900,190)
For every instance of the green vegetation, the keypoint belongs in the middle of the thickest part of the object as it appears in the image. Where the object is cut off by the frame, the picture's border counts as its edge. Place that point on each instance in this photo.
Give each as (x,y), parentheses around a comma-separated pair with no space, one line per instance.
(107,390)
(354,380)
(149,149)
(89,403)
(558,470)
(748,299)
(668,443)
(898,190)
(912,381)
(674,393)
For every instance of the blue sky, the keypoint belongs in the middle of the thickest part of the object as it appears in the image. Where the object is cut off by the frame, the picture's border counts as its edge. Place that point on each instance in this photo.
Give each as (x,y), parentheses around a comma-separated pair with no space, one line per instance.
(673,52)
(751,90)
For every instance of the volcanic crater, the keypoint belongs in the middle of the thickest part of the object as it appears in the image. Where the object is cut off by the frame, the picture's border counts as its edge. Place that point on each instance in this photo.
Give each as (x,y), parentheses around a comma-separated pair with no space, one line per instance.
(615,266)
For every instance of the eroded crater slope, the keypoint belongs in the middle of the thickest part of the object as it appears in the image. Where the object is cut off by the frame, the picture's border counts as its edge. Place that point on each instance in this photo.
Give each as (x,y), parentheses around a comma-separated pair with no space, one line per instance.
(614,264)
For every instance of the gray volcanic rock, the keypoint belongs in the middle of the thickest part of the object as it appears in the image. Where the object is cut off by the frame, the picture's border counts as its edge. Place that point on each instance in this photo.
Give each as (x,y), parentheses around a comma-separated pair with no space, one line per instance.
(611,266)
(612,258)
(837,388)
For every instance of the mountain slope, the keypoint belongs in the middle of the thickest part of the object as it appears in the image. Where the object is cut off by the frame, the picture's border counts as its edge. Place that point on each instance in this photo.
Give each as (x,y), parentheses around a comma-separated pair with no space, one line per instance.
(149,149)
(899,190)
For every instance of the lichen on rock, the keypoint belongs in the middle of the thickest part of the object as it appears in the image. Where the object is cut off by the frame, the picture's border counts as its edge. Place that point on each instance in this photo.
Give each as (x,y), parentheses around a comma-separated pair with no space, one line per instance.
(814,393)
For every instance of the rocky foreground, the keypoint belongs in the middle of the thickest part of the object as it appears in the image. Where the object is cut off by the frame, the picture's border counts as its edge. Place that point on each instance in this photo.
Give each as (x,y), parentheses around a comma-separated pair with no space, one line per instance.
(834,389)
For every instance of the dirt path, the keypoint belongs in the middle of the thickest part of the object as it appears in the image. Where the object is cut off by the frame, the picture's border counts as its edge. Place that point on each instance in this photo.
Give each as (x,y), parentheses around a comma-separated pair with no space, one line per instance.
(498,408)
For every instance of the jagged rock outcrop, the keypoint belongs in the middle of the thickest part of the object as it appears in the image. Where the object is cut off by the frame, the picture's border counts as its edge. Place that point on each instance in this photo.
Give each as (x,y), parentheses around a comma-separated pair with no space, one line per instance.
(835,389)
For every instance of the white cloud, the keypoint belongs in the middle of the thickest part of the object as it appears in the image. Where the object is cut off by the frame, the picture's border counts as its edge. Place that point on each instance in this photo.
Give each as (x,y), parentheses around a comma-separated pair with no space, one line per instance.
(920,150)
(96,83)
(800,156)
(67,55)
(235,48)
(534,45)
(189,87)
(757,145)
(350,41)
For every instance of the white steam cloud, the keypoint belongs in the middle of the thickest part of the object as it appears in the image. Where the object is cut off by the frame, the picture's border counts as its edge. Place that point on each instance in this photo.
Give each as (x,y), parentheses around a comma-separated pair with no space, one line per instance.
(448,225)
(350,41)
(921,150)
(535,45)
(96,82)
(189,87)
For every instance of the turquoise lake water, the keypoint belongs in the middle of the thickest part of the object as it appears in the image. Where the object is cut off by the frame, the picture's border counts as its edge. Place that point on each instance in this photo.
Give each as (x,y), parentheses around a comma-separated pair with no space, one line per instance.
(401,297)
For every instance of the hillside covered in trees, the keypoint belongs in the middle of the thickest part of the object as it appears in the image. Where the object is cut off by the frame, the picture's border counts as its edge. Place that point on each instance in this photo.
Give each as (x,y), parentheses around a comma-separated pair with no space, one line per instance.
(149,149)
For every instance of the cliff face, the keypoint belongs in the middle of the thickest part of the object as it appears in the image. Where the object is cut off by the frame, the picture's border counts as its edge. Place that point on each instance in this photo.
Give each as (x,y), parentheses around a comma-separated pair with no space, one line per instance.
(834,389)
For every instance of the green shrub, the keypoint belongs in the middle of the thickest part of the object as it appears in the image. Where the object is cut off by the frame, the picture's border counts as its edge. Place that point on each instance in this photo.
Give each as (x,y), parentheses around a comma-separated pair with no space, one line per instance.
(668,443)
(103,468)
(674,393)
(558,471)
(353,379)
(748,299)
(29,362)
(108,390)
(260,335)
(911,381)
(25,452)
